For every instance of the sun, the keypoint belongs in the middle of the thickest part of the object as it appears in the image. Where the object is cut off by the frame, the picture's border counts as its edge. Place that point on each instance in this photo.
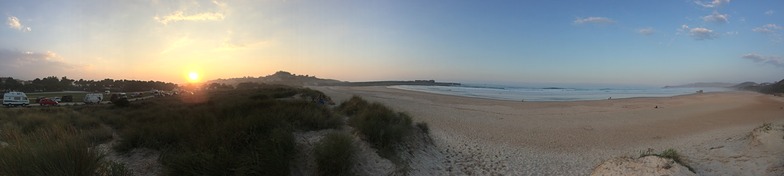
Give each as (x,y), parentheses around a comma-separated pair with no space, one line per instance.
(193,77)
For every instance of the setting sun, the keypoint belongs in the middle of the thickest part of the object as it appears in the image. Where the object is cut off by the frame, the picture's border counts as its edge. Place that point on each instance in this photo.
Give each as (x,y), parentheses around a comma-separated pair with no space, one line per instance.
(193,77)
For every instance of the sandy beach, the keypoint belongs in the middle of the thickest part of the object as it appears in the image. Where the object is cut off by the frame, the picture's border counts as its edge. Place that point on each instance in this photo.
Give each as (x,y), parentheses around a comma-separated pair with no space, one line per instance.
(488,137)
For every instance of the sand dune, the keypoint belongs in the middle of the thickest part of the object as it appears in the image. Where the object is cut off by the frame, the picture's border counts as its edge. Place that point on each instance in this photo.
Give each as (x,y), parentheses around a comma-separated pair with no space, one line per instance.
(481,136)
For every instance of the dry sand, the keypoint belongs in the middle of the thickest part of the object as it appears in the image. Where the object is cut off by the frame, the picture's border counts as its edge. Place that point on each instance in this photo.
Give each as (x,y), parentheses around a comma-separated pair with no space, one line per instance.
(713,132)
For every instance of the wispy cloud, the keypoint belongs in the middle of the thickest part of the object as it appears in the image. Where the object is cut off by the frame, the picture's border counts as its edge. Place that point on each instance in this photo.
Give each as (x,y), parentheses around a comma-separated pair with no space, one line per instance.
(768,29)
(646,31)
(699,33)
(711,4)
(180,16)
(716,17)
(769,12)
(14,23)
(772,30)
(773,60)
(593,20)
(184,14)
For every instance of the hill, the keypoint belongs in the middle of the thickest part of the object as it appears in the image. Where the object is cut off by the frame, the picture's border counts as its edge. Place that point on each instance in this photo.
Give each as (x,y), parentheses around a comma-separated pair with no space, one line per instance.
(767,88)
(280,77)
(286,78)
(703,84)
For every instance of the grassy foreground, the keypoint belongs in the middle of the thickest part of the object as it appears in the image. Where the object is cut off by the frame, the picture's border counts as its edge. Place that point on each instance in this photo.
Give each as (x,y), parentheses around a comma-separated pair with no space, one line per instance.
(231,132)
(53,141)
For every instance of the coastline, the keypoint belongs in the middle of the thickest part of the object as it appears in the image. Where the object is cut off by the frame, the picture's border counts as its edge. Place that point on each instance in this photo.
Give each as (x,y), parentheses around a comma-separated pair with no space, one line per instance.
(559,95)
(486,136)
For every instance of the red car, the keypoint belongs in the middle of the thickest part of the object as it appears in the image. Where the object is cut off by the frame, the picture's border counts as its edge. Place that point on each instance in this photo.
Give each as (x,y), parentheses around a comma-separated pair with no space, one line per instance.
(48,102)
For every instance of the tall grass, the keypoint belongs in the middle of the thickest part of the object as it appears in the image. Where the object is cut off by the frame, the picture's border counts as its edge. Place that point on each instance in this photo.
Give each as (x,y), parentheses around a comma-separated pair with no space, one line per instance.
(237,132)
(380,126)
(335,154)
(48,152)
(53,141)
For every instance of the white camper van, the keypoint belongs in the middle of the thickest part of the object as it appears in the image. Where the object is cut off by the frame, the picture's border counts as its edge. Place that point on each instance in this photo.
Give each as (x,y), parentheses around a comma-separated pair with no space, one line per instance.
(15,99)
(93,98)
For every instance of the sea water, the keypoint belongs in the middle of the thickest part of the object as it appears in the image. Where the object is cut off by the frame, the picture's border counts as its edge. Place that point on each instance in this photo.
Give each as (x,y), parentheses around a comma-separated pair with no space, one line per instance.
(517,93)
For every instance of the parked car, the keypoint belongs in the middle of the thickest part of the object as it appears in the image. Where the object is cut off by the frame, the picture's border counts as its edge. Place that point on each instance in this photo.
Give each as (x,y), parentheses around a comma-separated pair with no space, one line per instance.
(15,99)
(57,99)
(118,96)
(48,102)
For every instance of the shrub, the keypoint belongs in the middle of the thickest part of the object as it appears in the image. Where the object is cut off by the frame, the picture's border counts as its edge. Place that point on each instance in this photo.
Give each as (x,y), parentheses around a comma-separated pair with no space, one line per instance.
(121,102)
(352,106)
(335,154)
(381,127)
(424,127)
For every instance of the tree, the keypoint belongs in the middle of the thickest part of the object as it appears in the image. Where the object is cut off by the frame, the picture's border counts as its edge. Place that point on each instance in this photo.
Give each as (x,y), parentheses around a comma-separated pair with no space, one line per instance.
(10,84)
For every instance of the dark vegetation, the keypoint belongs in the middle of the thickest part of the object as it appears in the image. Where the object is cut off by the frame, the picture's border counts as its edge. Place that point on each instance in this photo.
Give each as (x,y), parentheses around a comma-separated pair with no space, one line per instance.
(767,88)
(53,141)
(243,131)
(383,128)
(239,132)
(335,154)
(52,83)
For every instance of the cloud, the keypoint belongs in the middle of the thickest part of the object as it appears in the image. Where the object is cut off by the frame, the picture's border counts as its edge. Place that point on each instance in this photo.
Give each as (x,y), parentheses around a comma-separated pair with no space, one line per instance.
(768,29)
(769,12)
(699,33)
(772,30)
(773,60)
(14,23)
(217,13)
(32,64)
(646,31)
(716,17)
(180,16)
(711,4)
(593,20)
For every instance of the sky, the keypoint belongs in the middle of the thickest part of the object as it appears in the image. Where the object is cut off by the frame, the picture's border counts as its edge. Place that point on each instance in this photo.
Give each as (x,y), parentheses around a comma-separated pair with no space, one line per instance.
(505,42)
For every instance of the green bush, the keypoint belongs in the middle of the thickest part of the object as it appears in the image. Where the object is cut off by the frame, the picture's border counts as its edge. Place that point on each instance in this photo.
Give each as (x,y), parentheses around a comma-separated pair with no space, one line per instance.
(335,154)
(352,106)
(380,126)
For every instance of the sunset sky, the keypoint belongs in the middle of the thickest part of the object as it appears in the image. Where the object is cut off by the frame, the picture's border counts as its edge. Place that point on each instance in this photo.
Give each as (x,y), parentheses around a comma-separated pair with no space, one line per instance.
(609,42)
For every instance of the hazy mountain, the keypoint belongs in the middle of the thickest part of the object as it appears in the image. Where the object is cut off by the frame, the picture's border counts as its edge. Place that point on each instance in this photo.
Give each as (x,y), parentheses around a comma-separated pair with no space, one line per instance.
(703,84)
(280,77)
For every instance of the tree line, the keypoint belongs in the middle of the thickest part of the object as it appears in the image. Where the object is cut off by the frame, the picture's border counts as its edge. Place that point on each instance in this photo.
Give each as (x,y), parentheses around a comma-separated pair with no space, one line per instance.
(52,84)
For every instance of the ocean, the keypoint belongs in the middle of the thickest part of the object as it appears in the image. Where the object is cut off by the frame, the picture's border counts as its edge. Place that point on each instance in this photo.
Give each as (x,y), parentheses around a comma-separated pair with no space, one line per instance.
(517,93)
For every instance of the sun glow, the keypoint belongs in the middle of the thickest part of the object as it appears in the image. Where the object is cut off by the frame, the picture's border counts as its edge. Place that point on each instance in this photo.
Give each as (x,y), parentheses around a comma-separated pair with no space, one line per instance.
(193,77)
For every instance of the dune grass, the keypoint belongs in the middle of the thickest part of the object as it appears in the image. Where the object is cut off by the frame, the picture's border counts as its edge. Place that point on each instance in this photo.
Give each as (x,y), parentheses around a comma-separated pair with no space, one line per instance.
(380,126)
(53,141)
(335,154)
(231,132)
(669,154)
